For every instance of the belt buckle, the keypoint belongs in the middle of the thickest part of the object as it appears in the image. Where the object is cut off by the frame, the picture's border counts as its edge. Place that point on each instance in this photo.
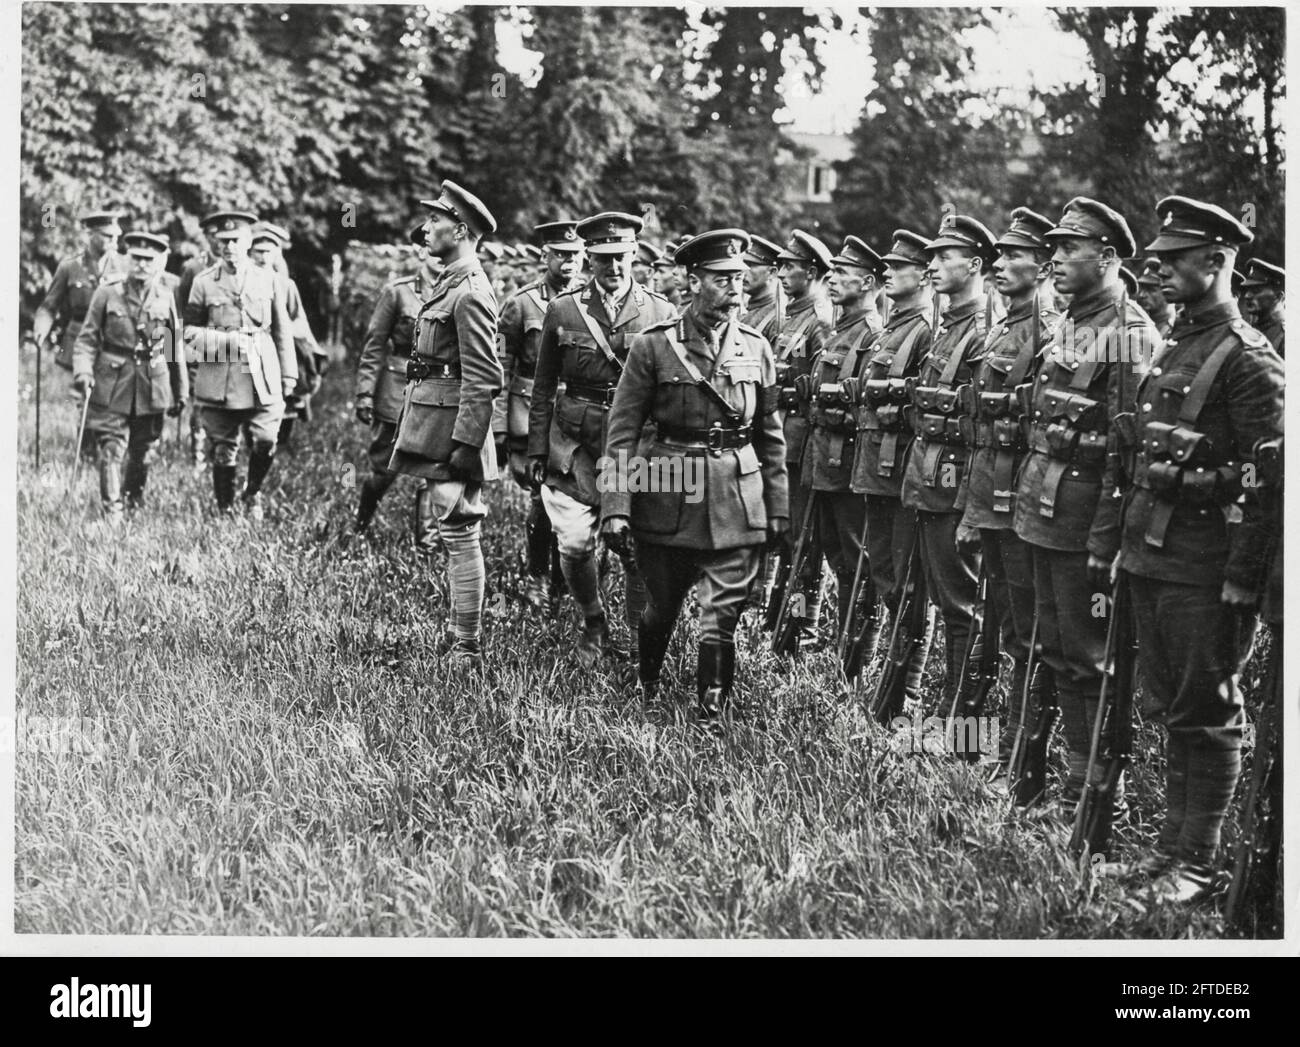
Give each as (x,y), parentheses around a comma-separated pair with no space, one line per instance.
(609,395)
(713,440)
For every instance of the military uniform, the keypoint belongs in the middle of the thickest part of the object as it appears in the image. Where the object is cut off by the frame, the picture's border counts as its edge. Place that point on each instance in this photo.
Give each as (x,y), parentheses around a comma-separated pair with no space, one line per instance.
(237,333)
(1066,503)
(841,513)
(202,261)
(765,310)
(988,491)
(937,461)
(808,321)
(444,430)
(585,348)
(1272,324)
(1214,392)
(381,382)
(522,319)
(711,396)
(75,280)
(129,346)
(884,438)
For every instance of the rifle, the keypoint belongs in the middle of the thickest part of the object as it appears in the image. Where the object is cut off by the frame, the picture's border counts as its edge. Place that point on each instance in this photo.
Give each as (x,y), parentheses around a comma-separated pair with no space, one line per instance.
(1257,863)
(851,651)
(1027,766)
(38,404)
(1112,732)
(904,635)
(979,669)
(783,635)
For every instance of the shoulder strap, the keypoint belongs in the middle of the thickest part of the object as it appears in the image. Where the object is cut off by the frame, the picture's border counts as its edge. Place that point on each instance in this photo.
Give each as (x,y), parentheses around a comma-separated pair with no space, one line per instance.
(1024,361)
(903,356)
(705,386)
(955,358)
(1194,401)
(601,340)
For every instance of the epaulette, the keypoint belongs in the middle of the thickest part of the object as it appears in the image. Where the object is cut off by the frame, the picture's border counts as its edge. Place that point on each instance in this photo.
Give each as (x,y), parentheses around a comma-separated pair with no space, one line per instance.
(1251,337)
(662,325)
(211,270)
(654,294)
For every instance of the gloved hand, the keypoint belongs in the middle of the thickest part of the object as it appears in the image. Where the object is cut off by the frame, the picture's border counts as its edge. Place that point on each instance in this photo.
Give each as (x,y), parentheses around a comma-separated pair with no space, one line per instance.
(365,411)
(616,532)
(287,386)
(538,473)
(1101,573)
(464,460)
(967,536)
(175,409)
(778,533)
(82,384)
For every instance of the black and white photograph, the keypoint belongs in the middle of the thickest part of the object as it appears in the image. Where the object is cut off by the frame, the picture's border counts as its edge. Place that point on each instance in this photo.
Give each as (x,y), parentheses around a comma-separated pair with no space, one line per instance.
(602,474)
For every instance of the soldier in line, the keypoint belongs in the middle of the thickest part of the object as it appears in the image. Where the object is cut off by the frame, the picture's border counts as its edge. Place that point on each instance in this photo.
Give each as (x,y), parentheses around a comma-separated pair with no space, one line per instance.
(885,436)
(75,280)
(959,257)
(1066,507)
(708,383)
(127,360)
(802,268)
(584,345)
(381,380)
(647,254)
(237,331)
(988,490)
(1264,286)
(444,432)
(201,261)
(764,306)
(855,276)
(522,318)
(270,241)
(1152,299)
(664,281)
(1193,560)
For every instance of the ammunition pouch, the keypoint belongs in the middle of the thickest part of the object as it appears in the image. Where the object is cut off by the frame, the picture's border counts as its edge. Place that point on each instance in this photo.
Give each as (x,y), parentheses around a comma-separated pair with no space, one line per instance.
(1268,462)
(1076,446)
(1007,434)
(1067,408)
(1177,443)
(997,405)
(941,416)
(831,408)
(1196,486)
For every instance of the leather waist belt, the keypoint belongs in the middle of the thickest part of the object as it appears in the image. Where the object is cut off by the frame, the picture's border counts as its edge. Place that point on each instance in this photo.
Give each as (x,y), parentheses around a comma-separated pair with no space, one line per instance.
(592,394)
(418,368)
(716,438)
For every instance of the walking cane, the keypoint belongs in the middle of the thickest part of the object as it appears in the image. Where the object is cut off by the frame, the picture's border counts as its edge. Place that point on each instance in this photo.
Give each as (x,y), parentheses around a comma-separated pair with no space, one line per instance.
(38,405)
(76,451)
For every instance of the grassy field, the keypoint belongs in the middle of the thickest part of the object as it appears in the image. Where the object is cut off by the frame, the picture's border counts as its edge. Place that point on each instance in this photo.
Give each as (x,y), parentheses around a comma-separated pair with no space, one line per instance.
(280,751)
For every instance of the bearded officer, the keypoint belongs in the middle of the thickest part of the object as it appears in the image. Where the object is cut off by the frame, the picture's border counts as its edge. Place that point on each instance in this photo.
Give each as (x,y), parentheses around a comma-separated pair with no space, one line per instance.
(237,331)
(802,269)
(381,380)
(855,278)
(127,360)
(444,434)
(584,344)
(75,280)
(1264,286)
(708,383)
(522,319)
(1193,555)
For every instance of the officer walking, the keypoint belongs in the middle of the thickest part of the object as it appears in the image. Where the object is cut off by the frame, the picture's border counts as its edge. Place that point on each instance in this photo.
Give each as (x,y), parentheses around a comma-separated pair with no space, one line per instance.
(584,345)
(444,432)
(708,383)
(75,280)
(1264,286)
(522,319)
(885,436)
(127,360)
(988,491)
(381,380)
(764,306)
(959,257)
(1066,507)
(855,276)
(802,268)
(237,331)
(1194,557)
(201,261)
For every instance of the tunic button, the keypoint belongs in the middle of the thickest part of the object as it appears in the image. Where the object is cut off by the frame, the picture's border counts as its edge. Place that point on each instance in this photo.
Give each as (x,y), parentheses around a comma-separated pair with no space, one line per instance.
(1146,407)
(1155,370)
(1186,389)
(1042,377)
(1074,472)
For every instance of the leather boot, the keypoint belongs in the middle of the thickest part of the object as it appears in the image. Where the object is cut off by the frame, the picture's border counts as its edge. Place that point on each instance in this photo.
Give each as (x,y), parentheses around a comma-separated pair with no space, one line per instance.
(259,464)
(537,528)
(652,647)
(426,522)
(593,640)
(223,486)
(134,479)
(110,487)
(714,676)
(367,503)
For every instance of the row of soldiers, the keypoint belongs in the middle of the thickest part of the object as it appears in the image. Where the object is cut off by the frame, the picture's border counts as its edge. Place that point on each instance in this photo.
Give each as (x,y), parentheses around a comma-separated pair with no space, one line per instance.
(1017,464)
(1001,461)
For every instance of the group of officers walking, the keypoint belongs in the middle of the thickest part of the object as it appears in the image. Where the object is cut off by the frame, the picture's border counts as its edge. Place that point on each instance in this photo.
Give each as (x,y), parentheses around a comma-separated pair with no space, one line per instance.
(1011,459)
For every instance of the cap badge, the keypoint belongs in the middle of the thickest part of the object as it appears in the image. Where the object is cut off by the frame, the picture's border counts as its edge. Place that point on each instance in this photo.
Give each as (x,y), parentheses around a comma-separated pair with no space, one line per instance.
(569,234)
(733,247)
(1169,217)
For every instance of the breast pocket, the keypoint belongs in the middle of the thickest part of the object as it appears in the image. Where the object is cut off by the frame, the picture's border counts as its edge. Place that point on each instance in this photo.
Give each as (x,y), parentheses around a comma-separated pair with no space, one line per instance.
(223,312)
(119,331)
(433,335)
(429,419)
(583,360)
(108,369)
